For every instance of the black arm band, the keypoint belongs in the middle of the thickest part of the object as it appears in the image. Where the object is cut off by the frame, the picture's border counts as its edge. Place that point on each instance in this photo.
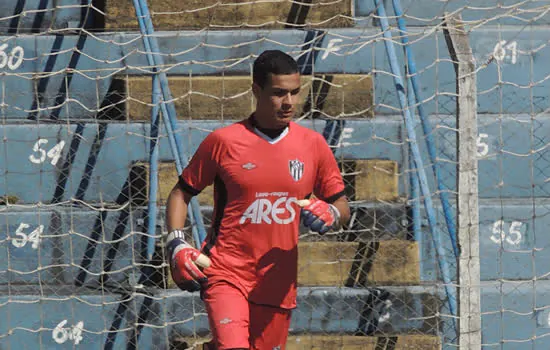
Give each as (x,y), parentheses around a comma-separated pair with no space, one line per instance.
(184,186)
(334,197)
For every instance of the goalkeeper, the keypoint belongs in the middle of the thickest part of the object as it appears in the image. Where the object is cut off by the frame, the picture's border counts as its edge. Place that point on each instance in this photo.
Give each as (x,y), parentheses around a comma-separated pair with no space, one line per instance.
(261,168)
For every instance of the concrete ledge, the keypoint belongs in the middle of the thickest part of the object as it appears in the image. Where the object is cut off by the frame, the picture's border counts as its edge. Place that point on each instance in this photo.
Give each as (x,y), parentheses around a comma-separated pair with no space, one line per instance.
(348,342)
(372,180)
(214,14)
(338,342)
(350,263)
(230,97)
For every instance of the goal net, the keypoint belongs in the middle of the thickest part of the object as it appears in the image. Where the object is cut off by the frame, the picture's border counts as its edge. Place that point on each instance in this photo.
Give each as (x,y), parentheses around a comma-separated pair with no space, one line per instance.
(101,106)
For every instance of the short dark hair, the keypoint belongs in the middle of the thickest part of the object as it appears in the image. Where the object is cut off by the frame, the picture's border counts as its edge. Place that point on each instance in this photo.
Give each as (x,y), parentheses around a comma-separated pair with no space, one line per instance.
(272,62)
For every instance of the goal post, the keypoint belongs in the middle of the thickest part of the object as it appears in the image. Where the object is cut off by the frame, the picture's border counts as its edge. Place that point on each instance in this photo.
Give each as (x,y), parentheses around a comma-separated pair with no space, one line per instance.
(469,301)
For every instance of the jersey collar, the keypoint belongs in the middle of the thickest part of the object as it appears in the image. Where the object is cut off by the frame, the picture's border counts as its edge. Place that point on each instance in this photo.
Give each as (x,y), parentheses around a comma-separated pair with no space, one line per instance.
(269,139)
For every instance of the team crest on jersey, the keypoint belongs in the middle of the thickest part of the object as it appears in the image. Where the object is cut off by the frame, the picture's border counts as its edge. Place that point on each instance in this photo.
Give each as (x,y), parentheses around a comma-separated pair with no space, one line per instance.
(296,169)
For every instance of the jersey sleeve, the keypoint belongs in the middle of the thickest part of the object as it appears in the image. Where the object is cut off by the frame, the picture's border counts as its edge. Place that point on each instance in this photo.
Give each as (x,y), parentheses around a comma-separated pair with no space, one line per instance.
(329,185)
(202,169)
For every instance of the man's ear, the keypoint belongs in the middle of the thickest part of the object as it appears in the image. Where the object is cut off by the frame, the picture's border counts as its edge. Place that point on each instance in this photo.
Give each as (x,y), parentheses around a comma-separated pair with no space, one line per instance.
(256,90)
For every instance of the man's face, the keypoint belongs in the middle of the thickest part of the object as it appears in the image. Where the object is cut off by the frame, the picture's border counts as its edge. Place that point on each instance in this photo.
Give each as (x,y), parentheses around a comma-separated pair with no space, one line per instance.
(277,100)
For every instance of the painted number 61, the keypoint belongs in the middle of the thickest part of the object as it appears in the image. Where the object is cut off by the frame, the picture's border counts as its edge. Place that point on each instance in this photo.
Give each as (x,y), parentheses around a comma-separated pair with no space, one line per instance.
(506,50)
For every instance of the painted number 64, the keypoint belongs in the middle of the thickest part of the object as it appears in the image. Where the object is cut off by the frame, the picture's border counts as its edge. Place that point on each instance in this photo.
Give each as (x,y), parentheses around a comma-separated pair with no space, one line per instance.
(61,334)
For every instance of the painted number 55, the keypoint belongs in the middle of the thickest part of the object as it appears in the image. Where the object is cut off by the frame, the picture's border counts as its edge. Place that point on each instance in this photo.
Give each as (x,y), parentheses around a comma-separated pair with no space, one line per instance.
(512,236)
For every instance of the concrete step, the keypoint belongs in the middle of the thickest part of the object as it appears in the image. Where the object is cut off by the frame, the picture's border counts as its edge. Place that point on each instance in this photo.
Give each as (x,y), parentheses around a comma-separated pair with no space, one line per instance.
(358,264)
(366,180)
(340,342)
(63,244)
(192,53)
(514,315)
(195,14)
(513,244)
(56,247)
(92,162)
(513,241)
(230,97)
(32,319)
(351,264)
(347,342)
(36,16)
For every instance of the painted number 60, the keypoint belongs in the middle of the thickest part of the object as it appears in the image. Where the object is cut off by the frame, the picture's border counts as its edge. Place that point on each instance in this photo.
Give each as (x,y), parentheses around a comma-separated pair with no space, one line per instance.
(14,59)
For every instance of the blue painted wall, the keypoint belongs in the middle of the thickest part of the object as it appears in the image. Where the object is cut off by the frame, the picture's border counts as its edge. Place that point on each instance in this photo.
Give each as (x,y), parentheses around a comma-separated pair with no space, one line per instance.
(522,324)
(489,12)
(40,15)
(513,244)
(104,153)
(178,314)
(98,174)
(512,101)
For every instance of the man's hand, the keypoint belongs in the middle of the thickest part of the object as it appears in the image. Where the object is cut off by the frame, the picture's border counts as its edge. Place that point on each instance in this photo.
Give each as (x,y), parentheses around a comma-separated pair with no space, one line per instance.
(318,215)
(185,262)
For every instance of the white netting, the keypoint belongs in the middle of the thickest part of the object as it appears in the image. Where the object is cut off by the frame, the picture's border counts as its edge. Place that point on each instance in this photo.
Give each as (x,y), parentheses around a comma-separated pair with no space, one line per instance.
(76,105)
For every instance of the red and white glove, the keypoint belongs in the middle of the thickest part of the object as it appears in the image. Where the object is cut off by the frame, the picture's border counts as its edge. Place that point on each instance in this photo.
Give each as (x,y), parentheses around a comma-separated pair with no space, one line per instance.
(319,216)
(185,262)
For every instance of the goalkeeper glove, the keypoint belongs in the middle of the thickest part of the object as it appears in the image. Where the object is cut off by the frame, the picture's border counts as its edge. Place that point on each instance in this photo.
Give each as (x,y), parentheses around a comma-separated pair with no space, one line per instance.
(319,216)
(185,262)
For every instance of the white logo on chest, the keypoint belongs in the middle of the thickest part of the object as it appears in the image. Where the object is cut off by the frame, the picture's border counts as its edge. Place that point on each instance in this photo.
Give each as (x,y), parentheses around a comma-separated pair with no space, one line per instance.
(249,166)
(263,210)
(296,169)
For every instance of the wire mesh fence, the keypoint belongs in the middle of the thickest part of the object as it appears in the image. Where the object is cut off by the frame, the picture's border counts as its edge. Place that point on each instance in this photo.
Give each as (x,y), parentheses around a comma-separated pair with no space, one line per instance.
(82,261)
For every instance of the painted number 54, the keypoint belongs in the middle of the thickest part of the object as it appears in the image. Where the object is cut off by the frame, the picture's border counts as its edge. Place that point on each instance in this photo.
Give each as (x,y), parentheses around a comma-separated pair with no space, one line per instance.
(40,155)
(23,238)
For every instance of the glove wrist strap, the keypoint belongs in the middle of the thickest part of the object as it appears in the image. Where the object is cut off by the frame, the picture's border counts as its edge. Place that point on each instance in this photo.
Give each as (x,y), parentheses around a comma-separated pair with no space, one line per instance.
(336,213)
(175,241)
(175,234)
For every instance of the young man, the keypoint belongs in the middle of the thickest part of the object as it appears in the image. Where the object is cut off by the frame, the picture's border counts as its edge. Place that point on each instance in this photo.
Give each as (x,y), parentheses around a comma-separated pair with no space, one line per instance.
(260,168)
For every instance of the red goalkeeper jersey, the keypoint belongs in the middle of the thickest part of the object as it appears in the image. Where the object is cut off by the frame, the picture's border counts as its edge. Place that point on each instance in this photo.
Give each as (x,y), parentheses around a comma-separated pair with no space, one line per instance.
(257,180)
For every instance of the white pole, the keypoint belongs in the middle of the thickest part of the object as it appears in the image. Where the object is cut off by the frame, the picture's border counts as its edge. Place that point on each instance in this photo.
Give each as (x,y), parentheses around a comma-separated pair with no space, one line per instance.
(469,309)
